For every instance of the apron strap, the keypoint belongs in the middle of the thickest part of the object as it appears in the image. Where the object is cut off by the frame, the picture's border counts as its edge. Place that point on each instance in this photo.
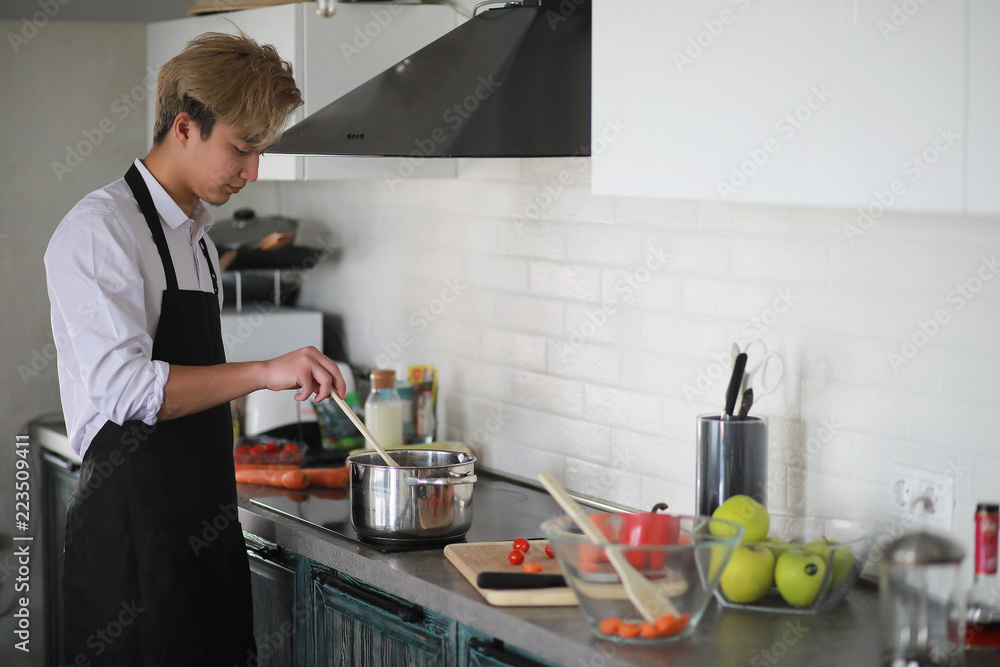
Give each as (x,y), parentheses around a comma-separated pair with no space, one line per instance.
(141,193)
(145,201)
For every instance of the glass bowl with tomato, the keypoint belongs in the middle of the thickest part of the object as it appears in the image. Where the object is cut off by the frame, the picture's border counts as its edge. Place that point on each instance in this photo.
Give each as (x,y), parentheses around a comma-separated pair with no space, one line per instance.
(268,450)
(679,553)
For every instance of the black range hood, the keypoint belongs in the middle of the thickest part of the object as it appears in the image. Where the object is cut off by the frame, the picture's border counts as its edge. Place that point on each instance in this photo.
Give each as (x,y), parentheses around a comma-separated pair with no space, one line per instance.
(510,82)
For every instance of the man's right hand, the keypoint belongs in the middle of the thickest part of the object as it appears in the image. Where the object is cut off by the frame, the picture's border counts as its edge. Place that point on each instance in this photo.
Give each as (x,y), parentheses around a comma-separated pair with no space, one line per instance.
(306,369)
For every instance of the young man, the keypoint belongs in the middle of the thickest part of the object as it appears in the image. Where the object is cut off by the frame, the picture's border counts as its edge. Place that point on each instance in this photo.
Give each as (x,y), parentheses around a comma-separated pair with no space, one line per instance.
(133,283)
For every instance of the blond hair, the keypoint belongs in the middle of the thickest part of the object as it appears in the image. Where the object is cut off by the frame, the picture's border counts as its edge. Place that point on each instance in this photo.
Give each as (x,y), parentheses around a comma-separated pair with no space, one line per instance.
(229,79)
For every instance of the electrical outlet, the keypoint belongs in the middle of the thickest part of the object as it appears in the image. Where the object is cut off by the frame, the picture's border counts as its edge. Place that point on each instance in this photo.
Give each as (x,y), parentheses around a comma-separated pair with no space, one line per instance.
(908,483)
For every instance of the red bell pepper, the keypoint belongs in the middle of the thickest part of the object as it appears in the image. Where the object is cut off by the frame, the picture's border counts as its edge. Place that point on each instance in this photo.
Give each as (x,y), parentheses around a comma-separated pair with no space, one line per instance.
(648,528)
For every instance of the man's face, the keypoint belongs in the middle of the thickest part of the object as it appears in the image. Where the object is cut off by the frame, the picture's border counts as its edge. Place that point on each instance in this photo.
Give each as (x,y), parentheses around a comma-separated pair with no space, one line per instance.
(221,164)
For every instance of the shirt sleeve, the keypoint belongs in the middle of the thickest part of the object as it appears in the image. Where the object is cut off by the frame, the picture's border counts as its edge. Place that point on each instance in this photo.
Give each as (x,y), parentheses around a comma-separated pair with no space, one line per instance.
(97,289)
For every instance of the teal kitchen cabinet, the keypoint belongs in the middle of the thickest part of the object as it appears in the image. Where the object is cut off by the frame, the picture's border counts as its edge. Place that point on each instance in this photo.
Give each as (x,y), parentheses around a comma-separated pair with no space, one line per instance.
(476,649)
(357,624)
(279,612)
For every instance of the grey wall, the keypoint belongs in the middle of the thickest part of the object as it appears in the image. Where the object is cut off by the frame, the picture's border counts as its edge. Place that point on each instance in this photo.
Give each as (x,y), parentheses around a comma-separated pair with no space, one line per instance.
(58,88)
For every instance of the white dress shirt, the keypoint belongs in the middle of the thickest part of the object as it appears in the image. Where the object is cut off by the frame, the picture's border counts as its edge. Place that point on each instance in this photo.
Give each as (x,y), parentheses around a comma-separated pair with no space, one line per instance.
(105,284)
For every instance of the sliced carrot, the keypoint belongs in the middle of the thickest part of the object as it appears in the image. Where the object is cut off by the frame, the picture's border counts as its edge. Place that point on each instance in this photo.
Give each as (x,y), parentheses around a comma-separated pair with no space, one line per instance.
(609,625)
(532,568)
(664,623)
(628,630)
(288,479)
(647,630)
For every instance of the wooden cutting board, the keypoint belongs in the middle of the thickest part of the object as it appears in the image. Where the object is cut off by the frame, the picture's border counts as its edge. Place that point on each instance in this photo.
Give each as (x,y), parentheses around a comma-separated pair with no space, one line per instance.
(475,557)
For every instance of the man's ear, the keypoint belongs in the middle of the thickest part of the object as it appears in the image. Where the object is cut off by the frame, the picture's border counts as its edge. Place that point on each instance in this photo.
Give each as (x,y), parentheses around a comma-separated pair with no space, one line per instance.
(183,128)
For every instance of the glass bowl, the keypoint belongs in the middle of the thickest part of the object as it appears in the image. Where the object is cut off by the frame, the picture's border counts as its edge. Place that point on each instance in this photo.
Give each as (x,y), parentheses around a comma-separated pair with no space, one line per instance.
(687,564)
(837,550)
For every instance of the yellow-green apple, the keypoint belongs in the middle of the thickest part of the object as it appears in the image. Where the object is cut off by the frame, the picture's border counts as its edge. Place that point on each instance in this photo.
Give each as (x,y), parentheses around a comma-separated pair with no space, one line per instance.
(744,511)
(799,575)
(776,546)
(843,559)
(749,574)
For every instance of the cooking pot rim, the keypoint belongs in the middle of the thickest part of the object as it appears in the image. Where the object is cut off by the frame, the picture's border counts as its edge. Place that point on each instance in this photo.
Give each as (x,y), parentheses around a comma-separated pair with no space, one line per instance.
(375,461)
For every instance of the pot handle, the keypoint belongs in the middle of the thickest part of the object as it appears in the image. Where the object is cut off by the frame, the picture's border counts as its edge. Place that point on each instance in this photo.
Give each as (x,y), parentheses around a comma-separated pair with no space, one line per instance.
(440,481)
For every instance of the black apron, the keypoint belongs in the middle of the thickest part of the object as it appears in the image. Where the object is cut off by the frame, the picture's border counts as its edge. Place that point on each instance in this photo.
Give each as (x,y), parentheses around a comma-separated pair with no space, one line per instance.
(156,569)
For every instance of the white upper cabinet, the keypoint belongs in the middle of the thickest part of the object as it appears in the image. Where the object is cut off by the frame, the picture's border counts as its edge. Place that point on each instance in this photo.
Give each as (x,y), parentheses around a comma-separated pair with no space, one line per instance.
(329,57)
(841,103)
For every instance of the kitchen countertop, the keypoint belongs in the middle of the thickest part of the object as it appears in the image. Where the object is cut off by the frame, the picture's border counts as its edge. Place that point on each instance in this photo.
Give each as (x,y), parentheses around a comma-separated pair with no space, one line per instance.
(847,635)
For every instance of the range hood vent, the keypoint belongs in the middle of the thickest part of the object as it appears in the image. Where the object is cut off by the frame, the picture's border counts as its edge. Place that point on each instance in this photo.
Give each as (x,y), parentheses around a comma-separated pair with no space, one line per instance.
(509,82)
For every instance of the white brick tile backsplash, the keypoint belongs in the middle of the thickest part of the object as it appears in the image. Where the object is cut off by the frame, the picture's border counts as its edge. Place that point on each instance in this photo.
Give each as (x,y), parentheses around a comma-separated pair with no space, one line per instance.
(598,352)
(656,212)
(530,314)
(532,239)
(505,274)
(572,437)
(564,281)
(513,349)
(547,393)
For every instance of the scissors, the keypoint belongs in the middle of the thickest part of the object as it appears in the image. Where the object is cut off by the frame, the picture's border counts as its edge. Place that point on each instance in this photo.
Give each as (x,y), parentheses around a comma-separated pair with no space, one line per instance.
(762,376)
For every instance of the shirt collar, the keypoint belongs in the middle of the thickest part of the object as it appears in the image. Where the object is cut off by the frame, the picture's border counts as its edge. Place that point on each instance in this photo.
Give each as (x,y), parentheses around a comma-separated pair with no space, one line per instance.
(168,209)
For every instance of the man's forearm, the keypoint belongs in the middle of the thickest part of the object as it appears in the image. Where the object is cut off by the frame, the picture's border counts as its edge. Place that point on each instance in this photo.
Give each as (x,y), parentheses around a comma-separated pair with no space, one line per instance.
(192,389)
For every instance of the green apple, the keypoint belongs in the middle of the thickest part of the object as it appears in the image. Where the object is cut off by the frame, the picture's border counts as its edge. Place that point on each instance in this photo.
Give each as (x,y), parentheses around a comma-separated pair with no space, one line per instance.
(799,575)
(744,511)
(776,546)
(843,560)
(749,574)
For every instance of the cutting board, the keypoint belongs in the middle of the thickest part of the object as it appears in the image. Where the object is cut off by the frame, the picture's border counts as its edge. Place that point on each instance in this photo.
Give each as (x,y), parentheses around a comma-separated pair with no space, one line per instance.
(475,557)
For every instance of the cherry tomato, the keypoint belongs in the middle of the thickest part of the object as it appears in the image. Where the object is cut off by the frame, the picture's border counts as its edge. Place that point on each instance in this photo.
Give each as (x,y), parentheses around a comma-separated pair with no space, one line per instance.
(548,551)
(515,557)
(290,447)
(271,447)
(258,449)
(243,449)
(521,544)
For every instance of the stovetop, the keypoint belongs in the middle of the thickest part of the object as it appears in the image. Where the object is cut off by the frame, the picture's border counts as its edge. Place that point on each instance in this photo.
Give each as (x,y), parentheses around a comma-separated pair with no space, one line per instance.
(501,510)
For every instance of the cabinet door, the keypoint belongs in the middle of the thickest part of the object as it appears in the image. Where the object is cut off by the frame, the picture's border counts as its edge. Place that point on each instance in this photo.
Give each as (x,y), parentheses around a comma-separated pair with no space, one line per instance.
(277,617)
(830,102)
(479,650)
(58,482)
(356,624)
(346,50)
(280,26)
(984,107)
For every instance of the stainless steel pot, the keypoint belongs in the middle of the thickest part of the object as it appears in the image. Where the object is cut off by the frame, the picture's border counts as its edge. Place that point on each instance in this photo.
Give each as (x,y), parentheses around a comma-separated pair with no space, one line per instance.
(426,500)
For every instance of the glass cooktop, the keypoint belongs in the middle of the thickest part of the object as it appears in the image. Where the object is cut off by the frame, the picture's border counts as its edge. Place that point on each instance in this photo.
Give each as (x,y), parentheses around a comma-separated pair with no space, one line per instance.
(501,510)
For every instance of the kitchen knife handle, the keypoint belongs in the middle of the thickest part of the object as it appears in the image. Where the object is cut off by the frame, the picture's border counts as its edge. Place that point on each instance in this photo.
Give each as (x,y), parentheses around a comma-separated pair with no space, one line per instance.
(514,580)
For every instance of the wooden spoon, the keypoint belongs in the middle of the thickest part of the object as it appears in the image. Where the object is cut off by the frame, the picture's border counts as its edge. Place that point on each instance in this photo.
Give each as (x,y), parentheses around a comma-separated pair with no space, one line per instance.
(647,596)
(364,431)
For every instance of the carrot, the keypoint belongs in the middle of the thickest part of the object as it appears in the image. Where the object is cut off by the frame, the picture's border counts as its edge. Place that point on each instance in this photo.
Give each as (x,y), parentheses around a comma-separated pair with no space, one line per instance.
(532,568)
(330,478)
(647,630)
(266,466)
(289,479)
(628,630)
(609,625)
